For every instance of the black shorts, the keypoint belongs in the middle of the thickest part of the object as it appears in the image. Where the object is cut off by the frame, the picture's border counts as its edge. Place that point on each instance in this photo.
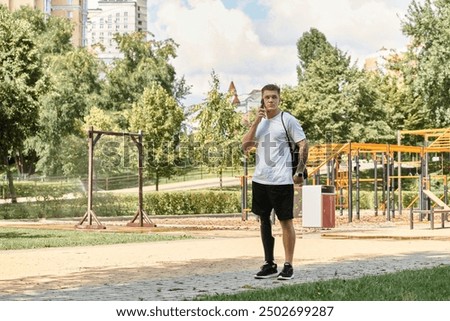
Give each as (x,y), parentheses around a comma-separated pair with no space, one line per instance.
(277,197)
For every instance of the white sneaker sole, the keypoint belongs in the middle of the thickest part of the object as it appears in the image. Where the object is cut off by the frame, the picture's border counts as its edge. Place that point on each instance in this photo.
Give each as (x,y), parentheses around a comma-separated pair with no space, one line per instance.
(270,276)
(285,277)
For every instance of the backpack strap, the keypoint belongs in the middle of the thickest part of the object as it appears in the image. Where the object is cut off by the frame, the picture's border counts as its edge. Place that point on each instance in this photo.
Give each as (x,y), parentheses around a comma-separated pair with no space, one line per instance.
(290,141)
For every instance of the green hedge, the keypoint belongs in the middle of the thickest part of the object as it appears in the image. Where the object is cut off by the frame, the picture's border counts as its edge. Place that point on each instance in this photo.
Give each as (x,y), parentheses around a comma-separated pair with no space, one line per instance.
(179,203)
(43,190)
(110,205)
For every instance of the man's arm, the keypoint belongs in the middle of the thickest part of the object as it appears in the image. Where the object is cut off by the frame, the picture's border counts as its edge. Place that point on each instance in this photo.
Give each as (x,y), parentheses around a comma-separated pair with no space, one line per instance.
(248,141)
(302,159)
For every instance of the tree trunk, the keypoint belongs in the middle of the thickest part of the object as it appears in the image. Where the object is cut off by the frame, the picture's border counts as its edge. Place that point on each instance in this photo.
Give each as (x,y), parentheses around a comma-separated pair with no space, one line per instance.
(12,190)
(19,163)
(157,181)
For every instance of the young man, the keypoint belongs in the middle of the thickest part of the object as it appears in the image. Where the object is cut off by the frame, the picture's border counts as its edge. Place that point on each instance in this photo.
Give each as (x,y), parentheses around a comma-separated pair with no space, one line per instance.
(272,182)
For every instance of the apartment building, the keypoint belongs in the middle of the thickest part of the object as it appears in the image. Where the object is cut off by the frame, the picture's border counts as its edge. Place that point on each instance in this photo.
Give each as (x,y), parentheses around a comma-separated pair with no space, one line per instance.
(74,10)
(111,17)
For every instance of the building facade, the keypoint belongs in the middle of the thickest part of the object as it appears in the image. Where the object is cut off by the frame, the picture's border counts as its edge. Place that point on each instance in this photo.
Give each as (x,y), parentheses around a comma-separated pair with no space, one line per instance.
(74,10)
(112,17)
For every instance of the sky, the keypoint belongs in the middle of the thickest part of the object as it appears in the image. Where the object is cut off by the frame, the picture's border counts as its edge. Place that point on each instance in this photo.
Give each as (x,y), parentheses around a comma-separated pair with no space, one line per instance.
(253,42)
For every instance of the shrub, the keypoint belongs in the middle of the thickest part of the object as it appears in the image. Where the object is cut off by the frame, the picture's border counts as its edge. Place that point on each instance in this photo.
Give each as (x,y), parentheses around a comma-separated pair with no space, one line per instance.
(110,205)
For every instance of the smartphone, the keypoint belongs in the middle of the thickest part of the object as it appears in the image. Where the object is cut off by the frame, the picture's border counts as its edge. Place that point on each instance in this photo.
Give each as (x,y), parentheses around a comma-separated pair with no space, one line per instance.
(263,107)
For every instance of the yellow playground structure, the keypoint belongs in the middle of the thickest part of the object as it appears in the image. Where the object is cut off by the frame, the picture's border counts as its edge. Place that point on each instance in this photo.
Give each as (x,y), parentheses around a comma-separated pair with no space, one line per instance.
(341,164)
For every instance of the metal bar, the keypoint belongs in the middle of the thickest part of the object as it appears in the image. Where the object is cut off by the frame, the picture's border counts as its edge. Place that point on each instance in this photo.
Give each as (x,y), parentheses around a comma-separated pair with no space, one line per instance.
(432,219)
(358,201)
(388,186)
(140,179)
(411,218)
(350,191)
(375,185)
(399,157)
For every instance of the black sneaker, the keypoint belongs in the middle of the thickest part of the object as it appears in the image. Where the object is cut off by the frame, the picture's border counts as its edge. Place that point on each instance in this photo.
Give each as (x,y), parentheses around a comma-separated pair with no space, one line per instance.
(287,273)
(268,270)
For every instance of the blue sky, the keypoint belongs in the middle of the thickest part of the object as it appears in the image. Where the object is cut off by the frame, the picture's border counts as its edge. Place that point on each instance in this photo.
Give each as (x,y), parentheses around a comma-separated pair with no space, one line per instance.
(253,42)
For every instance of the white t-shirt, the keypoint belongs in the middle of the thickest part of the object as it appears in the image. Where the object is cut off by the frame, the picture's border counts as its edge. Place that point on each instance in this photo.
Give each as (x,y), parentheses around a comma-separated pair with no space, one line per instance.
(273,157)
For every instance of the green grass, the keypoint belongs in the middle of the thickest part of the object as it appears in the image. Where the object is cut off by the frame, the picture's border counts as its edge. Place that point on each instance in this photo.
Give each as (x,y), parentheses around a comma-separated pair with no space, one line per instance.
(410,285)
(21,238)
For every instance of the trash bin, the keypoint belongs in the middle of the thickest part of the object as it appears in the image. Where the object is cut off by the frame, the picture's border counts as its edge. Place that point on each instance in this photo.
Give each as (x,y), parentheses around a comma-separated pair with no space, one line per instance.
(318,206)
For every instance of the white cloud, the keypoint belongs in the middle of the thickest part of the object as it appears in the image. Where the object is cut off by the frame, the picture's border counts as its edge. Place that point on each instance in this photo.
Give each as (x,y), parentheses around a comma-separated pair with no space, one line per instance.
(255,52)
(358,27)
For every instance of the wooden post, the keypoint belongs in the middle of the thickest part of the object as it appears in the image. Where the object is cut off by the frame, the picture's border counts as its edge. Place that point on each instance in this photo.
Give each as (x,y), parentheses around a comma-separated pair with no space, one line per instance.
(144,220)
(90,215)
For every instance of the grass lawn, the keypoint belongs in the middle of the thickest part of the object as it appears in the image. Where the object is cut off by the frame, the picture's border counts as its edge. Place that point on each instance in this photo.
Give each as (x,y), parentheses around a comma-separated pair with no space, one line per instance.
(410,285)
(22,238)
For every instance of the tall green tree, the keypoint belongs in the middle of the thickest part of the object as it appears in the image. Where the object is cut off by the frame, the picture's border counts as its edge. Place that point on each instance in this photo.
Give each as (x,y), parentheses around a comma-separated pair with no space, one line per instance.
(427,23)
(310,46)
(144,62)
(219,130)
(73,84)
(159,116)
(20,83)
(334,100)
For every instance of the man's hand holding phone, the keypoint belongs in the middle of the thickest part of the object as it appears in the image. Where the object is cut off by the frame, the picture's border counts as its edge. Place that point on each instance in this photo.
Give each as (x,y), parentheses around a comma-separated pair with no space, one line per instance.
(262,110)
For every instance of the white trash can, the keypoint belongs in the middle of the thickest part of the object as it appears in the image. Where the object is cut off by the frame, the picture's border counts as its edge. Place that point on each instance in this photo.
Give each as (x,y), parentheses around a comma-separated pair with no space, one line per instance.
(318,206)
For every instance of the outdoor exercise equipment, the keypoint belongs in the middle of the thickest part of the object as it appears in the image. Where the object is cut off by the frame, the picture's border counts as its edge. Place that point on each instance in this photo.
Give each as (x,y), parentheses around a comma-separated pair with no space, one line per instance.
(90,217)
(341,165)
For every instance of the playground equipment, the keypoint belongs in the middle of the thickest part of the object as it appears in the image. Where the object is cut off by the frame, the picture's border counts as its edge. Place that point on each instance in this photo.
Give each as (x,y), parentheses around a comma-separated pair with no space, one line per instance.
(90,215)
(341,165)
(342,162)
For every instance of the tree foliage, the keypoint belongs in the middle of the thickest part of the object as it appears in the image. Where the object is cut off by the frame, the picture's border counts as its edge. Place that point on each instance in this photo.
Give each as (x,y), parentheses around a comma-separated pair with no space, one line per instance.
(219,129)
(144,63)
(20,83)
(426,69)
(159,116)
(310,47)
(334,101)
(73,81)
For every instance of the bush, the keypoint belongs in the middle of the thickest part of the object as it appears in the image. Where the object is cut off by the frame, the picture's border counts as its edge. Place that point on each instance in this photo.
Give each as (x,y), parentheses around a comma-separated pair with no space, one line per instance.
(110,205)
(179,203)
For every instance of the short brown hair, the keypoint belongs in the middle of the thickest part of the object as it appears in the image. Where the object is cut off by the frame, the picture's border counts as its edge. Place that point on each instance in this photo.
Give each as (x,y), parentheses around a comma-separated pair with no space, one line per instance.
(271,87)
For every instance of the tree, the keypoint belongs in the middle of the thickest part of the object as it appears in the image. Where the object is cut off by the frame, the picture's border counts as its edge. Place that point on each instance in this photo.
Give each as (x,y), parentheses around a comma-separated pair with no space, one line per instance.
(20,83)
(73,84)
(159,116)
(335,101)
(52,35)
(219,130)
(310,46)
(426,69)
(144,63)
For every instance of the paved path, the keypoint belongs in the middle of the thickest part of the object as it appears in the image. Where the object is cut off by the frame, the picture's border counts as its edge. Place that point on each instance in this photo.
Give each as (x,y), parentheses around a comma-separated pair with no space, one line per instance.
(182,270)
